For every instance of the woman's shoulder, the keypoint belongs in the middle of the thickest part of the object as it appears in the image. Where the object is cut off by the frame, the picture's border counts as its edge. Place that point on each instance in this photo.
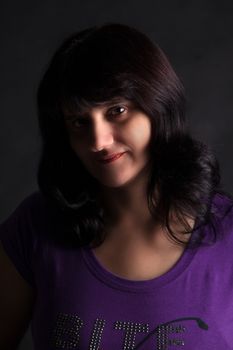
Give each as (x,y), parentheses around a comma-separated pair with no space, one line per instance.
(30,217)
(222,206)
(28,204)
(19,233)
(32,201)
(219,222)
(34,206)
(222,216)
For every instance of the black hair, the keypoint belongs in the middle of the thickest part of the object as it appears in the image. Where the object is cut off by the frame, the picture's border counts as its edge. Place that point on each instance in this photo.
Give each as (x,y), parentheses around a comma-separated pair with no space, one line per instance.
(96,65)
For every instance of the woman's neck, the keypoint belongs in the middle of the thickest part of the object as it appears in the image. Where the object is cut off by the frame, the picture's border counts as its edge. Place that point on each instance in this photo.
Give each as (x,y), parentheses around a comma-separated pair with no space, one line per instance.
(127,205)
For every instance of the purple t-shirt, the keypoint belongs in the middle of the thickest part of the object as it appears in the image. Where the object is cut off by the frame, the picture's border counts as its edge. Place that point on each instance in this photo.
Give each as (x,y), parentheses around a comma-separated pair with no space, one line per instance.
(81,305)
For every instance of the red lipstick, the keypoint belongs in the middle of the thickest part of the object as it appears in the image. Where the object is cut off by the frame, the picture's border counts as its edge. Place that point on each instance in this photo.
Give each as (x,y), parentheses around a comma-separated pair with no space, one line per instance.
(112,158)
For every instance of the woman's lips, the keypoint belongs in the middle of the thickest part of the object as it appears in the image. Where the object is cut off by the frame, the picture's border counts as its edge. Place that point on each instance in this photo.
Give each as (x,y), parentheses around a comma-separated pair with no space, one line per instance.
(112,159)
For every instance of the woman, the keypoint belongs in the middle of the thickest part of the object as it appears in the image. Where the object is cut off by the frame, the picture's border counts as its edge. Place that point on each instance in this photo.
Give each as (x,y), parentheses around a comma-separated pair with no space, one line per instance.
(128,242)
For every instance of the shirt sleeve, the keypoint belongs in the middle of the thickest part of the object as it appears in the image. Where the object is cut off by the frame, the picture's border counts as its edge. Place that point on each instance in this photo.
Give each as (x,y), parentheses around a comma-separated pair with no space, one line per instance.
(18,239)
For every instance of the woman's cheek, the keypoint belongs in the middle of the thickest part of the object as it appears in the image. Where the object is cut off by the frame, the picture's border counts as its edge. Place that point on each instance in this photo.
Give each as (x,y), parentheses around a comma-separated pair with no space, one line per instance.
(139,131)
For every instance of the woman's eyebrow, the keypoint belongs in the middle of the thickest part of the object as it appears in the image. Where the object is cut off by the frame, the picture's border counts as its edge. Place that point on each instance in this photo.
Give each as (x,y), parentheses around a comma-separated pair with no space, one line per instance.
(117,100)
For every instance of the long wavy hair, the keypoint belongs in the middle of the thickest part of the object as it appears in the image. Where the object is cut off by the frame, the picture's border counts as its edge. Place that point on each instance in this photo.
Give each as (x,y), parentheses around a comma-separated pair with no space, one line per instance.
(96,65)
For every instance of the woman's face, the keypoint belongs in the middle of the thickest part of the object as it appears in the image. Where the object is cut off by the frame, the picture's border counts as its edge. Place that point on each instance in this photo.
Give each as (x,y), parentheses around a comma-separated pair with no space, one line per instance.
(116,127)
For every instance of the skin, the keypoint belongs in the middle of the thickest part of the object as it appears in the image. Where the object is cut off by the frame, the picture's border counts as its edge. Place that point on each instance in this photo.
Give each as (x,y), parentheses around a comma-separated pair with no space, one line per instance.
(132,232)
(106,130)
(117,128)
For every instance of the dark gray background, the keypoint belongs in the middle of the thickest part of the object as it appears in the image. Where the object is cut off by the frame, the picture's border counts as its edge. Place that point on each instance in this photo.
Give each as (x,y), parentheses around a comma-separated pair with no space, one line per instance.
(196,36)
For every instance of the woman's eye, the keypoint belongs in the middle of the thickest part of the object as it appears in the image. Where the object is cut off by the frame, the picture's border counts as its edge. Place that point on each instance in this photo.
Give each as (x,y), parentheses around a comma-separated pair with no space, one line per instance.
(117,110)
(81,122)
(77,123)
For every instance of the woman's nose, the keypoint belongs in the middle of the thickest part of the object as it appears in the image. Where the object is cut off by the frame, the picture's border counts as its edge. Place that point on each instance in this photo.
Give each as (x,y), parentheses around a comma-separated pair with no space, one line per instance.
(101,136)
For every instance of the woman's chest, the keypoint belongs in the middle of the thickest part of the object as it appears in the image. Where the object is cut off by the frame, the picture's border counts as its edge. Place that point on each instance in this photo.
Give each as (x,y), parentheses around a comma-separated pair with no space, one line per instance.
(137,263)
(81,309)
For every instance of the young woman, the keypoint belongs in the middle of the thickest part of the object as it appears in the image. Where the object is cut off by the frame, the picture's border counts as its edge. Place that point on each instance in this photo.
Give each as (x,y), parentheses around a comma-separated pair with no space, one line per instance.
(128,242)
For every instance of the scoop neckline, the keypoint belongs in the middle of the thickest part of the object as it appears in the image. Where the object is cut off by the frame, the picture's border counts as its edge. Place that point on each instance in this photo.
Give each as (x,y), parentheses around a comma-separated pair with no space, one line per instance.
(134,286)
